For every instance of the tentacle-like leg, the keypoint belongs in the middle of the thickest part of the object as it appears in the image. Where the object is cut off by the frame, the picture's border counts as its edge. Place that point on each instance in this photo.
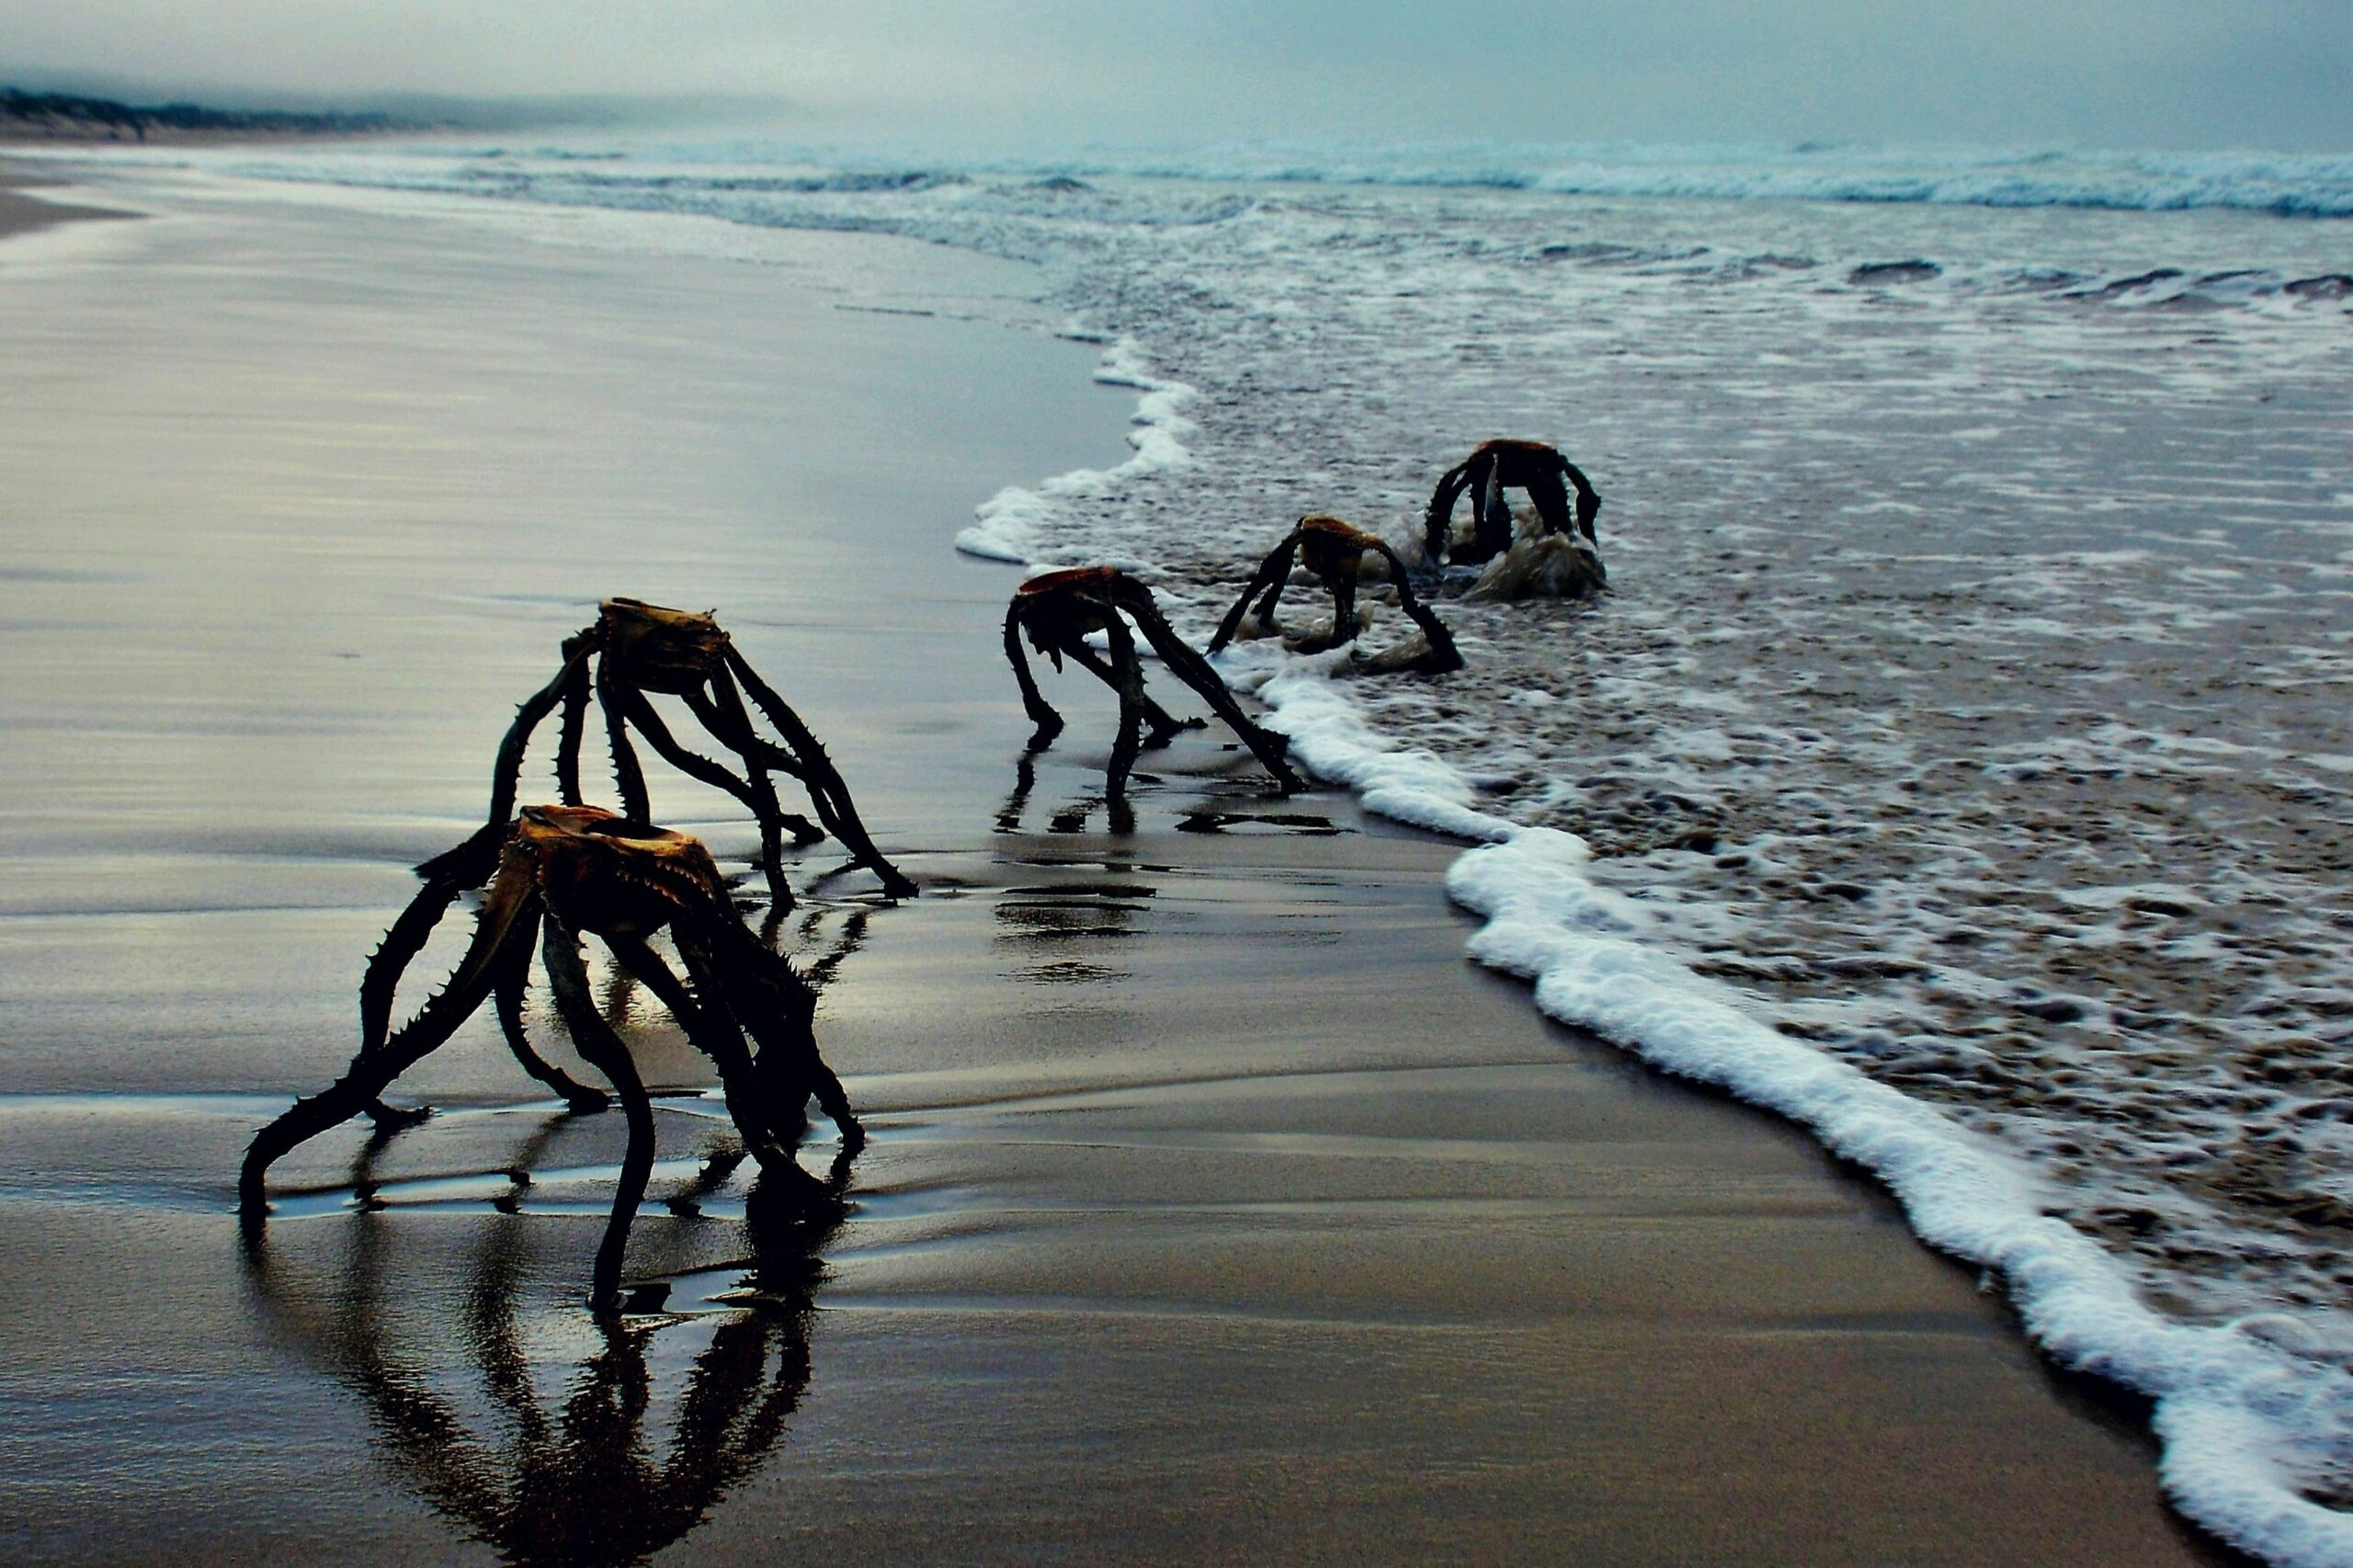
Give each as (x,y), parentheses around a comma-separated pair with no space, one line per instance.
(771,814)
(1444,655)
(578,1098)
(1268,580)
(775,1006)
(1588,499)
(1129,683)
(714,1034)
(1438,521)
(770,811)
(447,876)
(628,777)
(732,726)
(389,1119)
(1195,672)
(1344,625)
(1494,520)
(733,997)
(1160,725)
(774,1099)
(469,863)
(1273,597)
(1551,498)
(511,897)
(1042,714)
(568,735)
(606,1051)
(761,802)
(827,791)
(507,772)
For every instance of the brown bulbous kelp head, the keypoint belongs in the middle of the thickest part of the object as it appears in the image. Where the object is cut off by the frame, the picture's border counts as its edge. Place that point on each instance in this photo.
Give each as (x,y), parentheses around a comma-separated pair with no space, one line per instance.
(672,650)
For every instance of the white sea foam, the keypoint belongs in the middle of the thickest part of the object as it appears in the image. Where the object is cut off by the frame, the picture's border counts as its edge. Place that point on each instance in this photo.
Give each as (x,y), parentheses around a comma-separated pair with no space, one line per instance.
(1007,527)
(2243,1418)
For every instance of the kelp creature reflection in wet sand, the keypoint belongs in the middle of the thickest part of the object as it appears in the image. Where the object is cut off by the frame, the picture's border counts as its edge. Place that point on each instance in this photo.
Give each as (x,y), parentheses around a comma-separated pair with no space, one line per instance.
(577,1484)
(560,871)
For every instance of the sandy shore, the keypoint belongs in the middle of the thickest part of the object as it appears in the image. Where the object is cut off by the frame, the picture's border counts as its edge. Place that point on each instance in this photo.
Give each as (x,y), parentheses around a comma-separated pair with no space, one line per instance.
(21,213)
(1216,1207)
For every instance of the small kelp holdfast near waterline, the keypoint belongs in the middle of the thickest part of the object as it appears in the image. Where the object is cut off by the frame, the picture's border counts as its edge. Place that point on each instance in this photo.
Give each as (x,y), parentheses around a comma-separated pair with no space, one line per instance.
(634,649)
(1492,466)
(1335,551)
(1059,610)
(554,874)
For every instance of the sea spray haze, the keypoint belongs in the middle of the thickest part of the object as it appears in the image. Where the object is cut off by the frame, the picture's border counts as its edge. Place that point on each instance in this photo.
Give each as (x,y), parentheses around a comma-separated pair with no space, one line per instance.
(1961,765)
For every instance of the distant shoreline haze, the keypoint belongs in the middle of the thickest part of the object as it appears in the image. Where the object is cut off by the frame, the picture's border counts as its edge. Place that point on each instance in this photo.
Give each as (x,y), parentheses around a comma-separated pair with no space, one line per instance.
(32,115)
(70,117)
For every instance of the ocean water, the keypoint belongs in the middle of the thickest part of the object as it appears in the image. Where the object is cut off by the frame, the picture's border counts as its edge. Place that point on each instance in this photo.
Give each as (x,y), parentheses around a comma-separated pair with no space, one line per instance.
(1960,763)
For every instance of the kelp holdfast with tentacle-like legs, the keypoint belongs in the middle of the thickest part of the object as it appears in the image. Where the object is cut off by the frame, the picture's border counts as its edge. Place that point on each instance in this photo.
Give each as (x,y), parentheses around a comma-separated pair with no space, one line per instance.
(1493,466)
(634,649)
(558,872)
(1335,551)
(1059,610)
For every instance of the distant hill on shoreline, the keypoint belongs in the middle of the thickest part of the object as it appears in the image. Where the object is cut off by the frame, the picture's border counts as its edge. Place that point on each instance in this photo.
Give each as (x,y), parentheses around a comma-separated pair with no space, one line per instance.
(66,117)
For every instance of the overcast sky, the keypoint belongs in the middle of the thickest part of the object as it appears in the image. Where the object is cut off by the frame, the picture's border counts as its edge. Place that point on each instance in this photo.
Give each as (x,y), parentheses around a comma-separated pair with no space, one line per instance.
(2112,73)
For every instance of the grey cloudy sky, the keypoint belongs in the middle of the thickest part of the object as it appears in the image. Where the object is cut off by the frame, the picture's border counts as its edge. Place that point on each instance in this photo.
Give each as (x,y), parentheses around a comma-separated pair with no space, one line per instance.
(2116,73)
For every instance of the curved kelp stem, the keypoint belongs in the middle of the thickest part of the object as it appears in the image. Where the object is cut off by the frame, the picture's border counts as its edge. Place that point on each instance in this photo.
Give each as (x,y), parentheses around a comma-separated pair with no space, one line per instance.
(1268,580)
(507,772)
(372,1070)
(826,790)
(606,1053)
(1194,671)
(1033,702)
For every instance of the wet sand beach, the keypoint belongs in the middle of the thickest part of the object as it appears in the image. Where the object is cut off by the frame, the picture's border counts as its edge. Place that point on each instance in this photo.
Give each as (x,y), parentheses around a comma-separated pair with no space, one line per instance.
(21,213)
(1216,1207)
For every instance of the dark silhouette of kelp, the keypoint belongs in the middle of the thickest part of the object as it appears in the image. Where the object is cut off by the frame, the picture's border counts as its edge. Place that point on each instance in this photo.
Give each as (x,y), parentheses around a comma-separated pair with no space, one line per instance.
(561,872)
(1491,467)
(581,1482)
(633,650)
(1058,611)
(1335,551)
